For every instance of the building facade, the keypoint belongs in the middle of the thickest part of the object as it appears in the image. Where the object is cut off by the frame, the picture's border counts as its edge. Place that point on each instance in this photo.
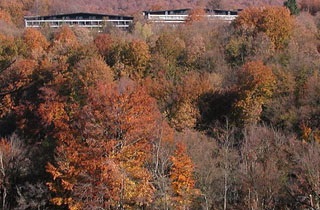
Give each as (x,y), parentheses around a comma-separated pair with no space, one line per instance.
(93,20)
(181,15)
(86,20)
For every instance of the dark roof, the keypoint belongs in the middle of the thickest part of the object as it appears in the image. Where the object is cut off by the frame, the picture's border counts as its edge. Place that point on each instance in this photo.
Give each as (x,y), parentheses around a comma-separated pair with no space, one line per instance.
(177,11)
(77,15)
(222,11)
(168,10)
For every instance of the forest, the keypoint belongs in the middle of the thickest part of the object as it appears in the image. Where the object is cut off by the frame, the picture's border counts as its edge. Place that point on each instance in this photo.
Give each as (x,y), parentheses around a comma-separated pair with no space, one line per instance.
(203,115)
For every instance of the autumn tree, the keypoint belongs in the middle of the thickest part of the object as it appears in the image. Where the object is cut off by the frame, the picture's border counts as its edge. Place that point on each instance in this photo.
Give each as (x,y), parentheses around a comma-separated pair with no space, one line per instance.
(170,49)
(256,83)
(178,100)
(5,16)
(163,149)
(181,175)
(195,15)
(143,30)
(35,41)
(117,127)
(195,50)
(8,51)
(127,58)
(275,22)
(65,36)
(15,9)
(136,57)
(14,80)
(104,43)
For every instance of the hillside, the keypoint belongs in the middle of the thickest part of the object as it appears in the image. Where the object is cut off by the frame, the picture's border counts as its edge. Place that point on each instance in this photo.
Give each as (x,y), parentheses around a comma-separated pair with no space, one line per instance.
(205,114)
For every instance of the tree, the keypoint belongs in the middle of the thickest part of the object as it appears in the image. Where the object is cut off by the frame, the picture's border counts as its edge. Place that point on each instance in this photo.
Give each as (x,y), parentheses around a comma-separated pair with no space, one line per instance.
(195,15)
(136,57)
(292,6)
(13,164)
(256,83)
(15,9)
(35,40)
(265,168)
(181,176)
(195,50)
(17,77)
(66,37)
(5,16)
(170,47)
(8,51)
(106,151)
(305,188)
(104,43)
(274,21)
(178,99)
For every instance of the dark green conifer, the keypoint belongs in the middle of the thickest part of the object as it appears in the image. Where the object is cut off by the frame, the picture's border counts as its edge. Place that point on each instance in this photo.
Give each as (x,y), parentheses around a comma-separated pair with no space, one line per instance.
(292,6)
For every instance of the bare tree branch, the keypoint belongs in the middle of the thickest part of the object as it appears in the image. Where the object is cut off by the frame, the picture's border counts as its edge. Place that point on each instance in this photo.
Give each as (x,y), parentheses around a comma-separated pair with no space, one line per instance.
(7,66)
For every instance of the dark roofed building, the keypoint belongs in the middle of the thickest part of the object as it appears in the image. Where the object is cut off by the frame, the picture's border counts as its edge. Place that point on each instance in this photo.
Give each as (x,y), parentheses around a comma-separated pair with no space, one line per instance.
(87,20)
(181,15)
(167,16)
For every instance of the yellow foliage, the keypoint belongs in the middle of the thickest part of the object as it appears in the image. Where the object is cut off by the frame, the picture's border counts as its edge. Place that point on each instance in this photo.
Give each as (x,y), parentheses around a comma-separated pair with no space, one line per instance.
(276,22)
(256,84)
(181,176)
(57,201)
(53,171)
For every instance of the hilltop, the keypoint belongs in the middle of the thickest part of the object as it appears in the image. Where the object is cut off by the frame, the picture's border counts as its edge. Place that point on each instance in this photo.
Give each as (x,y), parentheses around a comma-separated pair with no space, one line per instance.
(45,7)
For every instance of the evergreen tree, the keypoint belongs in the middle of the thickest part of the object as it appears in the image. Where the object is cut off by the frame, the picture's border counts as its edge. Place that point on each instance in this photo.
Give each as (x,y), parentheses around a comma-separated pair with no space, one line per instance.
(292,6)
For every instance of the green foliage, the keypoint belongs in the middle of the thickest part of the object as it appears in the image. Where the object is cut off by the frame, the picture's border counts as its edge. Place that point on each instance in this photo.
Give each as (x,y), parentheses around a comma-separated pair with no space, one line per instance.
(237,51)
(292,6)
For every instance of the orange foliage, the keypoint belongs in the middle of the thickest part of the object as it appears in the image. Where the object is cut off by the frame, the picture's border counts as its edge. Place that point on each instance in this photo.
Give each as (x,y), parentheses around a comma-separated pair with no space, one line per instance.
(275,22)
(181,176)
(195,15)
(66,37)
(256,82)
(4,16)
(106,149)
(104,43)
(15,9)
(18,76)
(34,39)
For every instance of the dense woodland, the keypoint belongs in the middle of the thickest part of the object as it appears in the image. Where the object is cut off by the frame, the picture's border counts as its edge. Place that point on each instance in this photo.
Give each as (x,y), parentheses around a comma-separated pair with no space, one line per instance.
(204,115)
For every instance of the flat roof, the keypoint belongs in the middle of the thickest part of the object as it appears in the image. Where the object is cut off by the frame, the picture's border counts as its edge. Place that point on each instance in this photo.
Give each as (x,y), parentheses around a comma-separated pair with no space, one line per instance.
(79,14)
(167,10)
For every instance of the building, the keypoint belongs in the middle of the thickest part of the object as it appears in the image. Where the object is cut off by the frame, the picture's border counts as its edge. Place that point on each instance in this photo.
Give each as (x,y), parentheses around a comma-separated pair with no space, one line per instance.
(167,16)
(181,15)
(225,15)
(86,20)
